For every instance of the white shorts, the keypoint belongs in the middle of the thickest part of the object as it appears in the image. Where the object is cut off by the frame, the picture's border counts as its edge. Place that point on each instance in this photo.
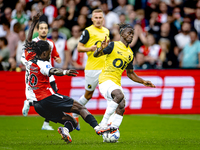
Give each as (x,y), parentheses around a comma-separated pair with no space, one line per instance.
(91,79)
(107,87)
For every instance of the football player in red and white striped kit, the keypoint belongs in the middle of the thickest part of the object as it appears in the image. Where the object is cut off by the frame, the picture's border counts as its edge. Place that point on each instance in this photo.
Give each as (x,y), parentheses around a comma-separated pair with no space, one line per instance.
(49,104)
(27,55)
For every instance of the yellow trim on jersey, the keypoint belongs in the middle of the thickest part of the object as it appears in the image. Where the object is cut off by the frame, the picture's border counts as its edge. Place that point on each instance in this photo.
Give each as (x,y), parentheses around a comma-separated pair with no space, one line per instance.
(115,63)
(95,34)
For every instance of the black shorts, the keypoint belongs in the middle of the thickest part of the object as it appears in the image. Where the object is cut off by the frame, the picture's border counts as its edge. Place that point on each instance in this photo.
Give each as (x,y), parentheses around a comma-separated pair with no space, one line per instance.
(53,107)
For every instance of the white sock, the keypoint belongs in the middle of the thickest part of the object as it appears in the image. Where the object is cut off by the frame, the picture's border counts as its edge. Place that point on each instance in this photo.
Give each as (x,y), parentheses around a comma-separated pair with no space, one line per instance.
(45,123)
(117,120)
(111,118)
(82,101)
(112,106)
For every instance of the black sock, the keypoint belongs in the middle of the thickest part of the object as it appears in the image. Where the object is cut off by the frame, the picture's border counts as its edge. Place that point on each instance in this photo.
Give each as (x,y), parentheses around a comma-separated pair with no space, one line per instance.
(69,125)
(54,87)
(91,120)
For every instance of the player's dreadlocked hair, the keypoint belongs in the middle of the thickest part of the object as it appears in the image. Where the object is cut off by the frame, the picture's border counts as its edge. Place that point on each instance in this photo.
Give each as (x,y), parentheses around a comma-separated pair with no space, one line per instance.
(37,47)
(123,26)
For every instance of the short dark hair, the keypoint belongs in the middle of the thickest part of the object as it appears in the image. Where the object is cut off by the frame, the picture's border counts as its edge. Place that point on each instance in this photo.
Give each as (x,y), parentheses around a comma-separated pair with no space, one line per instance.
(41,22)
(38,47)
(123,26)
(6,23)
(5,41)
(194,30)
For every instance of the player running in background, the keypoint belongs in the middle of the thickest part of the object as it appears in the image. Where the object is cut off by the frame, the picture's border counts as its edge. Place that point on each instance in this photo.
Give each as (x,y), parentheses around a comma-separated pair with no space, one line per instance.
(49,104)
(88,43)
(119,57)
(27,55)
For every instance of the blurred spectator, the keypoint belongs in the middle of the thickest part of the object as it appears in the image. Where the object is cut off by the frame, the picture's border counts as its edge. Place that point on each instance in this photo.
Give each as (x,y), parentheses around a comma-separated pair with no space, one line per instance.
(122,18)
(79,59)
(2,7)
(20,46)
(114,33)
(173,29)
(191,52)
(12,39)
(55,24)
(178,20)
(73,41)
(50,11)
(151,52)
(20,15)
(140,18)
(162,16)
(189,6)
(8,17)
(72,13)
(121,8)
(110,17)
(172,4)
(197,22)
(132,18)
(138,38)
(139,62)
(183,37)
(165,47)
(153,6)
(174,50)
(43,17)
(86,12)
(4,54)
(61,46)
(154,25)
(82,22)
(17,27)
(93,4)
(62,11)
(62,28)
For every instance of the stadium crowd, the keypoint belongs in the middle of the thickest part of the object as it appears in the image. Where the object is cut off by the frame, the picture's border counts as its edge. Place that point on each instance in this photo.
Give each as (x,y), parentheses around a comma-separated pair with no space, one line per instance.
(166,32)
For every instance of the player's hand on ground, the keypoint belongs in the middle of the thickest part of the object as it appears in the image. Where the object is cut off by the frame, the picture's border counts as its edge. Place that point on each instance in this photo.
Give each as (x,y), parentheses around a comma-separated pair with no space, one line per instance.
(149,84)
(71,72)
(105,43)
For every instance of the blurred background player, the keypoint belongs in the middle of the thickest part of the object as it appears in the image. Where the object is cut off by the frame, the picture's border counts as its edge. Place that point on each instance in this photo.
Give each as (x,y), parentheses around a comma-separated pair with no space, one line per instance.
(42,30)
(91,35)
(119,57)
(49,104)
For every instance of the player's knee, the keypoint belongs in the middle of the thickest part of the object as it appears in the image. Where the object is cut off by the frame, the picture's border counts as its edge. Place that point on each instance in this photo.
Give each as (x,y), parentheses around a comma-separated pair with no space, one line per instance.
(119,97)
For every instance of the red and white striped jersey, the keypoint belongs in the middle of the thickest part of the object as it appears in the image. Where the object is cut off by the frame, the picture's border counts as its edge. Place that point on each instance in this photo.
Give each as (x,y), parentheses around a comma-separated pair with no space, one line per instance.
(38,79)
(61,46)
(153,51)
(51,12)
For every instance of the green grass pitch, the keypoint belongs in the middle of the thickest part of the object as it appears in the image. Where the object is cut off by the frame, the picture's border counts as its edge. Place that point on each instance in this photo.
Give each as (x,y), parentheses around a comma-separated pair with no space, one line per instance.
(138,132)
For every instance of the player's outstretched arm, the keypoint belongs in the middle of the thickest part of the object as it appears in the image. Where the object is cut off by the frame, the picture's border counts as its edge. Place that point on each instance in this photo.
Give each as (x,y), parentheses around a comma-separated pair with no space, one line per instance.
(33,24)
(60,72)
(133,76)
(99,50)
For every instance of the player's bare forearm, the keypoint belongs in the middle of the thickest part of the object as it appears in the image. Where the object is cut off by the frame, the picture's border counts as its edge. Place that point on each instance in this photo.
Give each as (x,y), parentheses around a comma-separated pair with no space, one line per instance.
(98,52)
(82,48)
(33,24)
(61,72)
(133,76)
